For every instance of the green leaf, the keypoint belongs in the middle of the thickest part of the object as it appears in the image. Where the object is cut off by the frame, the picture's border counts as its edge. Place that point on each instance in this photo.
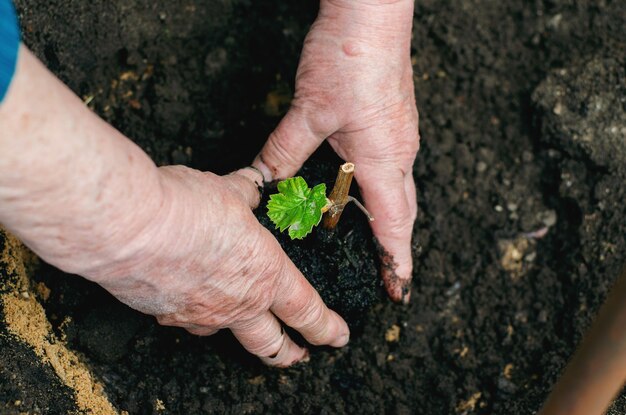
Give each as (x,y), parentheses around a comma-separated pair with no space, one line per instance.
(297,207)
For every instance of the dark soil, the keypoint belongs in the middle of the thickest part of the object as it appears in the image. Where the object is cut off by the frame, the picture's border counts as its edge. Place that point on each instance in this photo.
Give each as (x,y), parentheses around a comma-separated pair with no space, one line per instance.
(25,384)
(522,118)
(341,264)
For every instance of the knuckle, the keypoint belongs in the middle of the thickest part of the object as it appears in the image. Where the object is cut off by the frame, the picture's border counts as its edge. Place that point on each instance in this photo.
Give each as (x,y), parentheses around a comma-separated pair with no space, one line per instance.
(413,215)
(399,226)
(164,320)
(269,347)
(303,313)
(261,337)
(311,319)
(279,151)
(255,301)
(413,135)
(415,140)
(242,189)
(270,258)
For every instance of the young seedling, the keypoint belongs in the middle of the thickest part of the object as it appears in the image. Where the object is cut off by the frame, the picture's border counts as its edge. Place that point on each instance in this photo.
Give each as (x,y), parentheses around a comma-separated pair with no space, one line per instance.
(299,208)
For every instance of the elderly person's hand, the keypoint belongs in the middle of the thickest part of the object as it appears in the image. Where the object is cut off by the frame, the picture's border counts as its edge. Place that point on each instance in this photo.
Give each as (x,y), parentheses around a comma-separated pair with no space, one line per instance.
(354,87)
(207,264)
(172,242)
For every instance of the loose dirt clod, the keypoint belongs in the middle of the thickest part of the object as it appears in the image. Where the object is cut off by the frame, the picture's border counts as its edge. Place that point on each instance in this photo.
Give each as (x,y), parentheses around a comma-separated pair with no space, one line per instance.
(159,406)
(470,404)
(516,255)
(508,370)
(392,335)
(43,292)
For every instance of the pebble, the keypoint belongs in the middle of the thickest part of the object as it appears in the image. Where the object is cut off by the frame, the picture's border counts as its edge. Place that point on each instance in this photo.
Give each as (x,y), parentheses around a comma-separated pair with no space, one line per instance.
(481,166)
(393,334)
(508,369)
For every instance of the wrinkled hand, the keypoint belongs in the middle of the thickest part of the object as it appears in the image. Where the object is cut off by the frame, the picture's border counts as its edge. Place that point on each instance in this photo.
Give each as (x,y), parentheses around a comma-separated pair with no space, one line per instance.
(172,242)
(208,264)
(354,87)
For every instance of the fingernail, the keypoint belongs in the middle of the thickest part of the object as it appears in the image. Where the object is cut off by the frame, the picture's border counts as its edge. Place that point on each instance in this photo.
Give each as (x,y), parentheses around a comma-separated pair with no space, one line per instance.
(341,340)
(262,167)
(406,295)
(253,174)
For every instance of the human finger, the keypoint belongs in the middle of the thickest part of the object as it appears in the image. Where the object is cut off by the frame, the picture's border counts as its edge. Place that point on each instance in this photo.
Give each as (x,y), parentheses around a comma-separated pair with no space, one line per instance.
(264,337)
(201,330)
(299,306)
(248,183)
(384,190)
(289,146)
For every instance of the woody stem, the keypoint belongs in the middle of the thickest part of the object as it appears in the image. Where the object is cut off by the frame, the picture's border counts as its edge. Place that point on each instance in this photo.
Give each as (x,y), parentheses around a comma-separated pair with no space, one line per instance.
(339,195)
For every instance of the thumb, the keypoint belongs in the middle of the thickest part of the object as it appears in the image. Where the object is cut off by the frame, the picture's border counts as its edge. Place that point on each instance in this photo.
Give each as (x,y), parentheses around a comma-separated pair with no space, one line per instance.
(248,183)
(389,195)
(289,146)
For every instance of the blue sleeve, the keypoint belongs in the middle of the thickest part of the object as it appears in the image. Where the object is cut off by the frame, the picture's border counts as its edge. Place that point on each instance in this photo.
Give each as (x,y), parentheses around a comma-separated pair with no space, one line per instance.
(9,45)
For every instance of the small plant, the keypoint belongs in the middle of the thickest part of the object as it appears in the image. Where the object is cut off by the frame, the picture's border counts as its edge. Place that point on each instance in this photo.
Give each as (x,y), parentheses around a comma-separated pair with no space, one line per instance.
(299,208)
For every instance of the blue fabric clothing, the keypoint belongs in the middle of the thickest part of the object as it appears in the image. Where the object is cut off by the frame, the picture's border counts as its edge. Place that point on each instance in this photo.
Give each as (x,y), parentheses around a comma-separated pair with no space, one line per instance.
(9,45)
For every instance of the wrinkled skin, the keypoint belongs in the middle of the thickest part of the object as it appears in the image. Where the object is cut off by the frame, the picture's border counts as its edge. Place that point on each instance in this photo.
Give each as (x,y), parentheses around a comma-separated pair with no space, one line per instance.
(354,87)
(183,245)
(216,267)
(173,242)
